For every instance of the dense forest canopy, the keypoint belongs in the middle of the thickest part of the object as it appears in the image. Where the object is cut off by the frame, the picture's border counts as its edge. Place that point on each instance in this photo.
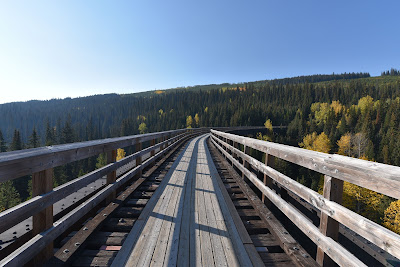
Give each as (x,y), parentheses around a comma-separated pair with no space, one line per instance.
(351,114)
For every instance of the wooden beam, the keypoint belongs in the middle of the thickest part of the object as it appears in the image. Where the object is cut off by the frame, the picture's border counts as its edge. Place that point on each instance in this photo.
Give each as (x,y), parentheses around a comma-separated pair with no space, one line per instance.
(112,176)
(42,182)
(333,190)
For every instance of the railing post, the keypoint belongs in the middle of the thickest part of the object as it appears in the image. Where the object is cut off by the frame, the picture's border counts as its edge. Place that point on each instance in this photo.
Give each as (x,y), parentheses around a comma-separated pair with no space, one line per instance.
(138,147)
(269,161)
(42,182)
(246,150)
(112,176)
(333,190)
(152,152)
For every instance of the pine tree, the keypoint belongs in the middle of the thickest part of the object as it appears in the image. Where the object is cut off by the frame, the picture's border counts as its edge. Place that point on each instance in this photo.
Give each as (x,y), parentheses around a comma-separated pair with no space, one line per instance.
(9,196)
(3,146)
(16,143)
(34,139)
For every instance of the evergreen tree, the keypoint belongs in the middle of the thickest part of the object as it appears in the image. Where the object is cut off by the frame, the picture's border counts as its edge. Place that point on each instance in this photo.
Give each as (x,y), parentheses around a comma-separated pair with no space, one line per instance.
(3,146)
(16,143)
(34,139)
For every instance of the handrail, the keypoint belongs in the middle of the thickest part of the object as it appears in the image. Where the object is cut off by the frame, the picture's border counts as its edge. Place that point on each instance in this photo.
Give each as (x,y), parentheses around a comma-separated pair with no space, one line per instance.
(40,162)
(27,251)
(15,164)
(343,168)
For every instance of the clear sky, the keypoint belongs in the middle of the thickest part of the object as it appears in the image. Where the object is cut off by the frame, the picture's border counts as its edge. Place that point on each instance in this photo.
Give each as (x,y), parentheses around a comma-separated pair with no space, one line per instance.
(57,49)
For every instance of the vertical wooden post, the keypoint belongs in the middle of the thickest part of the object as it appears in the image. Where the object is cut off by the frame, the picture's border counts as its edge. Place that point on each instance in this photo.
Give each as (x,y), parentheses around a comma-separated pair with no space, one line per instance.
(138,147)
(153,152)
(246,150)
(42,182)
(234,155)
(112,176)
(269,161)
(152,143)
(333,190)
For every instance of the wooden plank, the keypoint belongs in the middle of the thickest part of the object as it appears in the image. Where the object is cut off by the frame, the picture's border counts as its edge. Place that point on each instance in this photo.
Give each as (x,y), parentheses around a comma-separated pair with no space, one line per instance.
(330,247)
(381,178)
(380,236)
(207,256)
(42,182)
(123,255)
(227,244)
(203,174)
(169,225)
(234,223)
(178,250)
(333,190)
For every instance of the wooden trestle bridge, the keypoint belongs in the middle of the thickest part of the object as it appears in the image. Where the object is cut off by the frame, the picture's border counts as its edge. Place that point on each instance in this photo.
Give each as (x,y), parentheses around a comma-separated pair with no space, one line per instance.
(193,197)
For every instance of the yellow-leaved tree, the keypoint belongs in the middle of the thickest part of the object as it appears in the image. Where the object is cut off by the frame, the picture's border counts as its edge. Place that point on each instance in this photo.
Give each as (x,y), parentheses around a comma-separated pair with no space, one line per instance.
(344,144)
(391,219)
(120,154)
(316,142)
(197,119)
(189,121)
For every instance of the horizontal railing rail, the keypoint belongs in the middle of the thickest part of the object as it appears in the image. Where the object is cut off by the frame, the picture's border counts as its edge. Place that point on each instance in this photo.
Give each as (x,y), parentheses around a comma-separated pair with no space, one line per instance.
(40,162)
(381,178)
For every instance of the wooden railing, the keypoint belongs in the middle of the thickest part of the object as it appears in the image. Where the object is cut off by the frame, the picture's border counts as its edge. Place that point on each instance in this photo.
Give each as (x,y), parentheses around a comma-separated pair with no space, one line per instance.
(39,163)
(381,178)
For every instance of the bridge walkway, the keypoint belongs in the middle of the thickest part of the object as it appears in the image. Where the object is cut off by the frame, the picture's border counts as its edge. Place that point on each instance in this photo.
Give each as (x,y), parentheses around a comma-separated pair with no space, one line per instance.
(187,222)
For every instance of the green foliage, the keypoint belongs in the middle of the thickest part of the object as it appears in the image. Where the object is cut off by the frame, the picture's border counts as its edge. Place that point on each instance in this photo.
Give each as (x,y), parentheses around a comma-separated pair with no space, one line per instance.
(9,196)
(142,128)
(101,160)
(3,146)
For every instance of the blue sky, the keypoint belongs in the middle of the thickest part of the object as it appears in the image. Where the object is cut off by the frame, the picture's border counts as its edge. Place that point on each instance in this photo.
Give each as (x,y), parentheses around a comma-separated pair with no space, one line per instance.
(57,49)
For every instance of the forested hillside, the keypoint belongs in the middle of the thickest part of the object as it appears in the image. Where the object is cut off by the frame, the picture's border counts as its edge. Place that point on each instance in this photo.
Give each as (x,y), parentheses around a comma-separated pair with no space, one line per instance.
(350,114)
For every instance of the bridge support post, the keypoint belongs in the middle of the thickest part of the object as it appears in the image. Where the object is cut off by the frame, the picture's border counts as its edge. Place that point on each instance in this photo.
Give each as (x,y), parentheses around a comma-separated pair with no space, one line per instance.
(234,155)
(153,152)
(112,176)
(138,147)
(269,161)
(42,182)
(246,150)
(333,190)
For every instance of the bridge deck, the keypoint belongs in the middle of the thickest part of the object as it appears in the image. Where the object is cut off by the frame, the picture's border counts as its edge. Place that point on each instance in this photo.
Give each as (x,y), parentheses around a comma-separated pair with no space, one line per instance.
(187,221)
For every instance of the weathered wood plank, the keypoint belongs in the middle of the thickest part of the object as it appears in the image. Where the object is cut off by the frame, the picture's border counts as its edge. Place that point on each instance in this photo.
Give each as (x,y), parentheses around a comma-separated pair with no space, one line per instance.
(123,255)
(232,219)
